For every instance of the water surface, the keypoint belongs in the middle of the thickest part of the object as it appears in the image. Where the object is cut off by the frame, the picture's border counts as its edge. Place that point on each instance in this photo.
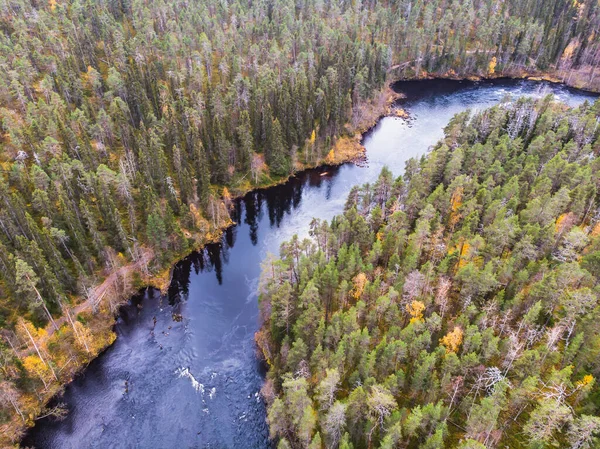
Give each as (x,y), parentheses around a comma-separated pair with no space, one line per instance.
(183,371)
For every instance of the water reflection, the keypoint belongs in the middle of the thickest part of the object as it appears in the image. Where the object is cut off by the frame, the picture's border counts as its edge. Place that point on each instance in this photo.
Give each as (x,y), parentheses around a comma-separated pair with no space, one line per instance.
(277,202)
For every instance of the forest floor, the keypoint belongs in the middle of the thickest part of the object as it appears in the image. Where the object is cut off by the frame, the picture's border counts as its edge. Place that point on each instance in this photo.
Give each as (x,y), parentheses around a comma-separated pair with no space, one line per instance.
(95,296)
(108,283)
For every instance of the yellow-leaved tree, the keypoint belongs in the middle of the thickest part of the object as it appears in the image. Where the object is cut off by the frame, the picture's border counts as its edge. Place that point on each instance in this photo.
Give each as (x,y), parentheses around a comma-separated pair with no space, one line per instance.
(452,340)
(492,66)
(415,309)
(359,282)
(37,368)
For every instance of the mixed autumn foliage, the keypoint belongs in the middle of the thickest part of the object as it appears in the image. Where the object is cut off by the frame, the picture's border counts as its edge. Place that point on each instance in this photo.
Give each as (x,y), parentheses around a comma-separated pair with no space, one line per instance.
(455,306)
(127,127)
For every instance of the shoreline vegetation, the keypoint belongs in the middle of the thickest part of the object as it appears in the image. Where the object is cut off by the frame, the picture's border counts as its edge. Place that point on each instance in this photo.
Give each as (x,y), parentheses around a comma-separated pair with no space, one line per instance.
(583,79)
(553,77)
(128,127)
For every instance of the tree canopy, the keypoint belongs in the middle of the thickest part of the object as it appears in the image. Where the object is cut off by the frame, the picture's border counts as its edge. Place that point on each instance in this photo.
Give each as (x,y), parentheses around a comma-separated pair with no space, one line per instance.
(455,306)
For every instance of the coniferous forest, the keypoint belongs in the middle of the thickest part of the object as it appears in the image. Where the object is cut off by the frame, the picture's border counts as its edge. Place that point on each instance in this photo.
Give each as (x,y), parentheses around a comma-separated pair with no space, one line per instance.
(456,306)
(128,127)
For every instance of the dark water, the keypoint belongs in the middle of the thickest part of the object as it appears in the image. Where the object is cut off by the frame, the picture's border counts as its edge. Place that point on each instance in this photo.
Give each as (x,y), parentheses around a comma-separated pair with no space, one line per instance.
(192,380)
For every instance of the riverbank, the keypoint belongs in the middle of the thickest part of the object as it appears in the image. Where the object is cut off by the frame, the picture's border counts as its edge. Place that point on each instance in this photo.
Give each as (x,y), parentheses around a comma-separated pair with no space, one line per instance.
(581,78)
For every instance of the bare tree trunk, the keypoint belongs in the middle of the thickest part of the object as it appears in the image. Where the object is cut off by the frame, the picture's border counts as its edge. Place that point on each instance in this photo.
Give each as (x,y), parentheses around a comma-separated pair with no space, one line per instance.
(75,331)
(17,409)
(42,303)
(39,353)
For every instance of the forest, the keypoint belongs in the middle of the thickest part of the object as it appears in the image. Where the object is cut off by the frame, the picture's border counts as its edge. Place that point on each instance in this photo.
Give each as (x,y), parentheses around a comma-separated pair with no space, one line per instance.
(129,126)
(456,306)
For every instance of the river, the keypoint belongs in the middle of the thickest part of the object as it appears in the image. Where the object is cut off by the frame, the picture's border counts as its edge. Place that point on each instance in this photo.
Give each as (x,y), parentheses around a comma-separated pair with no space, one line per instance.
(183,371)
